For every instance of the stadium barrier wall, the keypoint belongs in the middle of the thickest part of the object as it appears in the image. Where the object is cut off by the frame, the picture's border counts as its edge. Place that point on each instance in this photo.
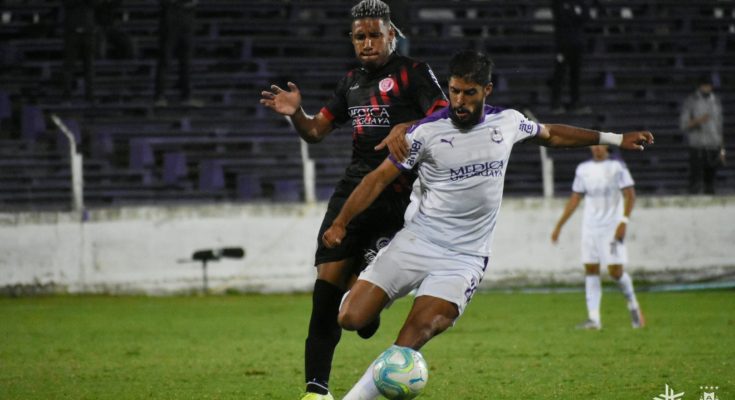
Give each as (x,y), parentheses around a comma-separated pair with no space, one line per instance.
(148,249)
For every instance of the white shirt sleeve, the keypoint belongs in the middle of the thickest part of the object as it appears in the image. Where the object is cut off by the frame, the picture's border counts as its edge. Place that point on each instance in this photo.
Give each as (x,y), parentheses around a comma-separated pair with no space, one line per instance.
(526,128)
(624,178)
(578,183)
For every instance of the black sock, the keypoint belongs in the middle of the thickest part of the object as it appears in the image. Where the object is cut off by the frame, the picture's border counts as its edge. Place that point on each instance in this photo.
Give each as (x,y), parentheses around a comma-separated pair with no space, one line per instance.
(324,334)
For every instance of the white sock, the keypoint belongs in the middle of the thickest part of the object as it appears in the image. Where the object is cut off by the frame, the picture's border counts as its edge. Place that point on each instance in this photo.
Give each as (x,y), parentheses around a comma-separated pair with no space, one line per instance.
(593,295)
(626,286)
(364,389)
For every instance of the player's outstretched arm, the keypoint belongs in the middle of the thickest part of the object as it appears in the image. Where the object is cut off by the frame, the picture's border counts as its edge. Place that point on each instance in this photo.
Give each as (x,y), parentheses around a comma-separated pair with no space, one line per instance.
(558,135)
(311,128)
(572,204)
(396,141)
(364,194)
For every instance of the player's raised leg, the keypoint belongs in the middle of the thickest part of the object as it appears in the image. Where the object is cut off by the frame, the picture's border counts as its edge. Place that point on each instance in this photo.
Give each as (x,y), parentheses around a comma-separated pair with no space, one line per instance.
(362,305)
(625,282)
(429,317)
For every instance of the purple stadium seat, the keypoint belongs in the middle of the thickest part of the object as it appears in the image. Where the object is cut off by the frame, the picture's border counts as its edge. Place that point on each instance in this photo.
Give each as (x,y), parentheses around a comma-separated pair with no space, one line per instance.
(141,154)
(609,80)
(33,125)
(324,192)
(211,176)
(248,187)
(287,190)
(102,144)
(174,167)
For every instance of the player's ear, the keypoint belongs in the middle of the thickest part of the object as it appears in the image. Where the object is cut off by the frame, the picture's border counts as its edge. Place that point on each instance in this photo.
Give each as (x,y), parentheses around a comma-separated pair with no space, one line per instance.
(391,33)
(488,89)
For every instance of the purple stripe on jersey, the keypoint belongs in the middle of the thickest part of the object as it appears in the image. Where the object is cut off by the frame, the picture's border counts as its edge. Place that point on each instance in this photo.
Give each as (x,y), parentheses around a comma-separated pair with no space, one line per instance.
(441,114)
(490,110)
(397,164)
(444,113)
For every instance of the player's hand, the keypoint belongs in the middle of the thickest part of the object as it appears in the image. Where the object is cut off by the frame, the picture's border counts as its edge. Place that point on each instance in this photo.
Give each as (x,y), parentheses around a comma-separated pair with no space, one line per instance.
(282,101)
(555,235)
(396,142)
(620,232)
(636,140)
(333,236)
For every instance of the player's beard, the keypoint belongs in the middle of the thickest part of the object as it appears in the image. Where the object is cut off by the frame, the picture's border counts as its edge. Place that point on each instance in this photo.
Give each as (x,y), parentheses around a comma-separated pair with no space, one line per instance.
(471,120)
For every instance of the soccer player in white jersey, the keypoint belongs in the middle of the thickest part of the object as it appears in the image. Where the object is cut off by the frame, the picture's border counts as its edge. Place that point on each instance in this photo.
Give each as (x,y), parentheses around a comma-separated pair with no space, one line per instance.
(461,154)
(608,191)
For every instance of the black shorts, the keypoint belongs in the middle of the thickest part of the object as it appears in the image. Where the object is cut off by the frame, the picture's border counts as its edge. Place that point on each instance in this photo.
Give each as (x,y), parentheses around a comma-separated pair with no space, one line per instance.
(368,232)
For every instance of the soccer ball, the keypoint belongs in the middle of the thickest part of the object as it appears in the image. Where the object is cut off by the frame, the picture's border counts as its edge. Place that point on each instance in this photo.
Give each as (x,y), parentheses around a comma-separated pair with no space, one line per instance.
(400,373)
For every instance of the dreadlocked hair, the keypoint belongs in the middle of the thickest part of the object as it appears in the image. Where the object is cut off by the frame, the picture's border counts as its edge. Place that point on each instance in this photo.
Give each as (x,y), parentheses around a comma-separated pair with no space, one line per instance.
(371,9)
(374,9)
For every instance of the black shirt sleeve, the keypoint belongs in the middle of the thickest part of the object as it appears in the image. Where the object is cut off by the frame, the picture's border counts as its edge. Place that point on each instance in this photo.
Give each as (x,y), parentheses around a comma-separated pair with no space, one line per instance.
(426,89)
(336,109)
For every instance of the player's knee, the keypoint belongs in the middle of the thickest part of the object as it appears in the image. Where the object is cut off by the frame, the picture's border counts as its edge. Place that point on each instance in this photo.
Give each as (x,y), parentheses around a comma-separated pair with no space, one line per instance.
(616,271)
(350,320)
(592,269)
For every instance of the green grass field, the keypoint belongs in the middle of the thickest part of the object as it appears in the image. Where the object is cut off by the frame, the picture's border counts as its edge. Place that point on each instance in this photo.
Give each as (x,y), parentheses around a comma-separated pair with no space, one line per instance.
(506,346)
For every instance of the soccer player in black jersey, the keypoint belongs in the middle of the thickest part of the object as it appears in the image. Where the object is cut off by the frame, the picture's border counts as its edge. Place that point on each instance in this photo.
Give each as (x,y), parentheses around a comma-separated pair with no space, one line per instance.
(387,90)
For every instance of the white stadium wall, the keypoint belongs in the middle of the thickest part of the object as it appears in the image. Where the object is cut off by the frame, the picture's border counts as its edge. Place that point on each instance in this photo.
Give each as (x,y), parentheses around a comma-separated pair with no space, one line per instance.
(144,250)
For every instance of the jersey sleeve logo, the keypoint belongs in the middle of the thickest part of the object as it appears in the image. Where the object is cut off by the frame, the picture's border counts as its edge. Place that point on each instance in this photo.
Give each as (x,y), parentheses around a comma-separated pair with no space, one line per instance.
(413,153)
(496,135)
(527,127)
(386,84)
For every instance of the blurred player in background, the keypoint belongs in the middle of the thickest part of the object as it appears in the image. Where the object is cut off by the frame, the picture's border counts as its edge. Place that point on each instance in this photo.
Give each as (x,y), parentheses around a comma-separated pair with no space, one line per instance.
(387,90)
(461,154)
(608,189)
(701,121)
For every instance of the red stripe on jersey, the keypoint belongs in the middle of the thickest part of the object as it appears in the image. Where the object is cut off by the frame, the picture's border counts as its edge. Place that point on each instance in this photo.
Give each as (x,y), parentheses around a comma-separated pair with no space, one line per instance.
(441,103)
(328,115)
(404,76)
(384,97)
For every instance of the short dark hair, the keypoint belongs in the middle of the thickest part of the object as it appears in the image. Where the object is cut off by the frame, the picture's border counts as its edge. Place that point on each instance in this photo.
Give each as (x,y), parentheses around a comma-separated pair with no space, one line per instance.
(371,9)
(472,66)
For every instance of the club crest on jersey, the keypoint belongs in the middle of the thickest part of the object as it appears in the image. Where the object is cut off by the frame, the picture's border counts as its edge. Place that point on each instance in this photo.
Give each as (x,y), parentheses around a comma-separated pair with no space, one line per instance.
(386,84)
(379,244)
(496,135)
(382,242)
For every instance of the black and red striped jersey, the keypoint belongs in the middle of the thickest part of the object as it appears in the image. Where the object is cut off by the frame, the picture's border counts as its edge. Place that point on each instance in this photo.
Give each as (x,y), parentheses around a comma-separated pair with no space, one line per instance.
(374,101)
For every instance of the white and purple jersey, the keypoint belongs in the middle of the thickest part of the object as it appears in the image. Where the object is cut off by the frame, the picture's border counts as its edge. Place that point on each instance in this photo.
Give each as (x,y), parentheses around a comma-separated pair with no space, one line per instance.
(461,173)
(601,182)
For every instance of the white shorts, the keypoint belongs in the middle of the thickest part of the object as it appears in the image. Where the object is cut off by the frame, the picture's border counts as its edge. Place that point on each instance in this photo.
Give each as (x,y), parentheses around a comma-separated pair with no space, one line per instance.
(601,247)
(410,262)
